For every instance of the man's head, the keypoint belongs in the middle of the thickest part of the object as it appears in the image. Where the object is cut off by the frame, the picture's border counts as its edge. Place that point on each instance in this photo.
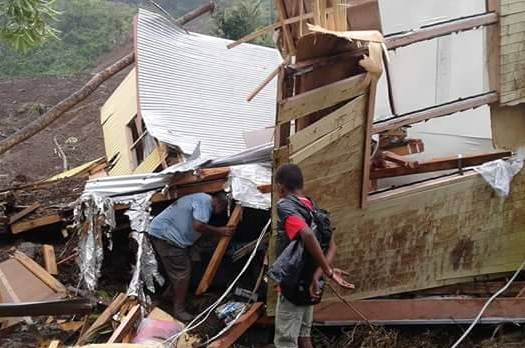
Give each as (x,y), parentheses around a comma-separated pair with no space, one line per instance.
(219,202)
(289,179)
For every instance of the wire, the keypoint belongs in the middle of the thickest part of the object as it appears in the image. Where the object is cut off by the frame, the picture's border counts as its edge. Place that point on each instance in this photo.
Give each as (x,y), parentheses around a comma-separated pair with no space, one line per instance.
(499,292)
(206,313)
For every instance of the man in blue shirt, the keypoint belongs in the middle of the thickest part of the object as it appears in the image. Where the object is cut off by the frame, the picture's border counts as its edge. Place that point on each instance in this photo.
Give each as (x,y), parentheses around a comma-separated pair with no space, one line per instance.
(175,230)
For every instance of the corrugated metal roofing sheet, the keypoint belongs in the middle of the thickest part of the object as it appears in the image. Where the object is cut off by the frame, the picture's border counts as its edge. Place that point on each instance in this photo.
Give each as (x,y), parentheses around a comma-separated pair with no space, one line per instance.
(192,88)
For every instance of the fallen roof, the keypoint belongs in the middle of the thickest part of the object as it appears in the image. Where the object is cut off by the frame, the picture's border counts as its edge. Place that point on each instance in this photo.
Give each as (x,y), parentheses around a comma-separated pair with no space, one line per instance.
(192,88)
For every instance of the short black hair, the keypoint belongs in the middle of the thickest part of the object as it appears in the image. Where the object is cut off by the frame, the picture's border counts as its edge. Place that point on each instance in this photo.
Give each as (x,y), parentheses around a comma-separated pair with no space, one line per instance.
(290,176)
(221,197)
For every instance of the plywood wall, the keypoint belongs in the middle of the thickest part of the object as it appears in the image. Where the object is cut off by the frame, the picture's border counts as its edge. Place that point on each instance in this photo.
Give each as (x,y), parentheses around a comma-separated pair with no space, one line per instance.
(512,51)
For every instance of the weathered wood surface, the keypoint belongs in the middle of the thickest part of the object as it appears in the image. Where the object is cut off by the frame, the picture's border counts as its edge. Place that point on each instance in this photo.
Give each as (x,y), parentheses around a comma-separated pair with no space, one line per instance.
(219,252)
(512,51)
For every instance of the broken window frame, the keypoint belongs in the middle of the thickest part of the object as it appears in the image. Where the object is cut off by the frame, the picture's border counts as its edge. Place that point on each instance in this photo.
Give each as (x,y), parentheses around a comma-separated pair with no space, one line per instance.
(442,110)
(139,136)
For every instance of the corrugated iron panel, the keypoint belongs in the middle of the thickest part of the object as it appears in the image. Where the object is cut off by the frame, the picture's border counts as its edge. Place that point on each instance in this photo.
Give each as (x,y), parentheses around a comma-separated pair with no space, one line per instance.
(193,88)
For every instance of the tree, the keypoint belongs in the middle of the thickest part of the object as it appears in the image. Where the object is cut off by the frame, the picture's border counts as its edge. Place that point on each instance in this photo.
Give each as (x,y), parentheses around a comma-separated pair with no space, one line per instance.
(239,20)
(27,23)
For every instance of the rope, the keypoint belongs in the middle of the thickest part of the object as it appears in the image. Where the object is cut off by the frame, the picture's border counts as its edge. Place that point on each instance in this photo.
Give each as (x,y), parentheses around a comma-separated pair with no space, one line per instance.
(499,292)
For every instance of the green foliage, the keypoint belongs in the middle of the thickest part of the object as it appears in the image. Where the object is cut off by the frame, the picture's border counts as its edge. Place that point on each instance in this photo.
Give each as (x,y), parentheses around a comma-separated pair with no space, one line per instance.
(27,23)
(239,20)
(87,29)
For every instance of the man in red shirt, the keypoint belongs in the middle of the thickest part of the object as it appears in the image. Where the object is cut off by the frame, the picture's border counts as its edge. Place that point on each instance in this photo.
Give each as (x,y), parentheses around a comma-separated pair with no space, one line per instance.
(294,313)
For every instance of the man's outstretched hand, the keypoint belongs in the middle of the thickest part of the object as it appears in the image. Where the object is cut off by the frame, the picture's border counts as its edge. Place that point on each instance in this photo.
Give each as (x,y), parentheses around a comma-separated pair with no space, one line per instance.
(338,278)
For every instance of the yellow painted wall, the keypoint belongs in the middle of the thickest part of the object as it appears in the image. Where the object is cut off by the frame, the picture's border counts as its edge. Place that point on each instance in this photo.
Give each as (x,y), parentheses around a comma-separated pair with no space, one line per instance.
(116,113)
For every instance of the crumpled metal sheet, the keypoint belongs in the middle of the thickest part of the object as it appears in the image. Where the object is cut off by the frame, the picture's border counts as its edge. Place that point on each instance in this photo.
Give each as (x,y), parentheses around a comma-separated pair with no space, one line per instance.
(145,270)
(499,174)
(94,213)
(244,181)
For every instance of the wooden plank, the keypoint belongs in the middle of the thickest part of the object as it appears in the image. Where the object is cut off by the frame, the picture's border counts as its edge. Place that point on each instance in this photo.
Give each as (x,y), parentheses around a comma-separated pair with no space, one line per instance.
(513,19)
(406,312)
(54,344)
(320,144)
(265,82)
(440,29)
(512,8)
(321,98)
(516,95)
(20,215)
(512,38)
(240,327)
(512,28)
(219,252)
(39,272)
(438,165)
(207,174)
(369,123)
(513,48)
(352,111)
(493,48)
(103,318)
(207,187)
(127,324)
(434,112)
(50,262)
(20,227)
(287,35)
(266,188)
(411,147)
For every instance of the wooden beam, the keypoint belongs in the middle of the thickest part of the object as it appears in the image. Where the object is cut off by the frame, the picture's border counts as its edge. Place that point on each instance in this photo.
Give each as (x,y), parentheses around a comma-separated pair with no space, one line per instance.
(219,252)
(126,325)
(410,147)
(400,160)
(369,122)
(207,187)
(202,175)
(440,29)
(266,188)
(434,112)
(240,327)
(438,165)
(321,98)
(39,272)
(50,262)
(265,82)
(287,35)
(104,318)
(20,227)
(494,48)
(407,312)
(350,112)
(21,214)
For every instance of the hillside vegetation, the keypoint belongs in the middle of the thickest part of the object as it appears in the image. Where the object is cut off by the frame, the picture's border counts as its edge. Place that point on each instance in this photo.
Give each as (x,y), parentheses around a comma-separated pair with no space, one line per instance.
(90,28)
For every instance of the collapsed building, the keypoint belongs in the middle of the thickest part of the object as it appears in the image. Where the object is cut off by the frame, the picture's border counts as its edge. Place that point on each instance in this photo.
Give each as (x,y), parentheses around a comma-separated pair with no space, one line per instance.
(424,185)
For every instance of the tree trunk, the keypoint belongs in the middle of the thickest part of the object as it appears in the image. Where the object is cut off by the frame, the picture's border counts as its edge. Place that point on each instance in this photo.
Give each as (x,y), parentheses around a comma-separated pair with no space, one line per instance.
(67,104)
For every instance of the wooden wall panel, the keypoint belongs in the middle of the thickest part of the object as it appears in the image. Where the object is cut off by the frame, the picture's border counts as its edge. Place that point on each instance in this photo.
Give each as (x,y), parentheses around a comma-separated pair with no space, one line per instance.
(508,126)
(512,52)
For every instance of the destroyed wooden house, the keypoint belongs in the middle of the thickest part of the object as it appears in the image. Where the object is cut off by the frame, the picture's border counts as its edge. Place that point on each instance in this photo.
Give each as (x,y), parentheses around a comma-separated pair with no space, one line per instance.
(405,222)
(403,158)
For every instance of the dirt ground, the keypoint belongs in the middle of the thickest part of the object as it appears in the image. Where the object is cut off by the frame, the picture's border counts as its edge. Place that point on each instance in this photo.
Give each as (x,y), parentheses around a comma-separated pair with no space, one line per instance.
(79,133)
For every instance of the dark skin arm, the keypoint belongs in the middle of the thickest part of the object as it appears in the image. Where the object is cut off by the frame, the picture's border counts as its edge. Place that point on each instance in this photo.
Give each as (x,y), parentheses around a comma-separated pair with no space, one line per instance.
(314,248)
(207,230)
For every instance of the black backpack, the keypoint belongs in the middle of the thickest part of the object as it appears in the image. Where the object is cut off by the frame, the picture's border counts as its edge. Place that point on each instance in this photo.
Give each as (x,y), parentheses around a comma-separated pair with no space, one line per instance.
(289,268)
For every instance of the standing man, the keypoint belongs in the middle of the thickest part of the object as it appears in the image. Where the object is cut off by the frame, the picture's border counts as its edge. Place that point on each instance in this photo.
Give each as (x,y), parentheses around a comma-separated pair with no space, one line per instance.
(175,230)
(294,314)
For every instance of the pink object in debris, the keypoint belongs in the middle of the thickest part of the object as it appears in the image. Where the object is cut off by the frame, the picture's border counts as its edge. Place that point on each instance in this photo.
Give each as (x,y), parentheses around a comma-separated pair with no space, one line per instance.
(151,330)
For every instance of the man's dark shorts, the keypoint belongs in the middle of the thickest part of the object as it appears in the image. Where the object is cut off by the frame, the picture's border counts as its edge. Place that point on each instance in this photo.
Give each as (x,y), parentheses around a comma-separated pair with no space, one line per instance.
(175,260)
